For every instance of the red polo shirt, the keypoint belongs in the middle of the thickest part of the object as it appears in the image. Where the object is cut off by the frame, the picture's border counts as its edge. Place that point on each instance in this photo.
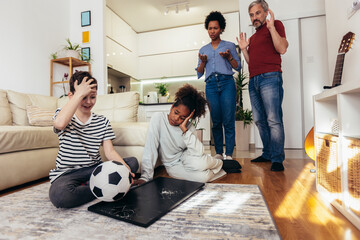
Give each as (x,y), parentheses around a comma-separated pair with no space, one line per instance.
(263,57)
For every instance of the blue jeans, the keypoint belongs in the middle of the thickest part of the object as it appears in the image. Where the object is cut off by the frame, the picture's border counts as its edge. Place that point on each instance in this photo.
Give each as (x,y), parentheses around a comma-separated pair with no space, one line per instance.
(221,94)
(266,96)
(70,189)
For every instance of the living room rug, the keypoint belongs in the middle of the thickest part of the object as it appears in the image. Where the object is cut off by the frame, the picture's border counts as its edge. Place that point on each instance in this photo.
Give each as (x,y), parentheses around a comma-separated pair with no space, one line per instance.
(219,211)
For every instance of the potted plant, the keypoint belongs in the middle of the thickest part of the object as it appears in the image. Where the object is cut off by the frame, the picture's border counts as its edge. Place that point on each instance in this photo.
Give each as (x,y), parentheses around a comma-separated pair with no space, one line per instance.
(71,50)
(243,117)
(163,92)
(54,55)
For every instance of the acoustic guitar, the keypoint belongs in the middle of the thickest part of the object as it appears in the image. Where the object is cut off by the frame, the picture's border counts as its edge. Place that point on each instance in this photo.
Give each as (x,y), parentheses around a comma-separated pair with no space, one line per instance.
(344,48)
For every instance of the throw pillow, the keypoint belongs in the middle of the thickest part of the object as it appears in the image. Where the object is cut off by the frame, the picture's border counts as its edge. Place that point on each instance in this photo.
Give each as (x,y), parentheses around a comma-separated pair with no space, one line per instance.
(39,117)
(5,116)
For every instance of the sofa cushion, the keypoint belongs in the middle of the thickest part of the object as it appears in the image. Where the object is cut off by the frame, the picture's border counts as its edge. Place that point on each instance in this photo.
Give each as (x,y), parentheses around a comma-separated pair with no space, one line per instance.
(19,101)
(118,107)
(19,138)
(62,101)
(5,116)
(129,133)
(42,101)
(39,117)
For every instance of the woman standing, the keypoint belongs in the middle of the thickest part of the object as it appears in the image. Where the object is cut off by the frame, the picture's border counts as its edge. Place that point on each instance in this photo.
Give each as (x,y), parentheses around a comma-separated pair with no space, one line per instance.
(217,59)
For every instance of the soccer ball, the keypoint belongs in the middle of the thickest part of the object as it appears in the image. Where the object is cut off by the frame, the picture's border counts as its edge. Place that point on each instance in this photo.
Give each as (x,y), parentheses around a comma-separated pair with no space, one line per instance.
(110,181)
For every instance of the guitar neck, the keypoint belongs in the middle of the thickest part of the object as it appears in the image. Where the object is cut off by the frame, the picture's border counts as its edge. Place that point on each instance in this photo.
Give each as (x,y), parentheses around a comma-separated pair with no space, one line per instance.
(338,69)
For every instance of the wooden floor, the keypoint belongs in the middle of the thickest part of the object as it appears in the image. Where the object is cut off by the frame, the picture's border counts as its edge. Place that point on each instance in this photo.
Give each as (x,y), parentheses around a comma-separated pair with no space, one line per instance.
(294,203)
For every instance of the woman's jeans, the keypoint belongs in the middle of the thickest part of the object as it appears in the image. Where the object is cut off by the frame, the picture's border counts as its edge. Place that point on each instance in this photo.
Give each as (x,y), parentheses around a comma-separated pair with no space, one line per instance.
(266,96)
(221,94)
(71,189)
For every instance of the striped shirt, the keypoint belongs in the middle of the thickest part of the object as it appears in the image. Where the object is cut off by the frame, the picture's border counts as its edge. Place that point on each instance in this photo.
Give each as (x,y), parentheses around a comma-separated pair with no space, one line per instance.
(79,143)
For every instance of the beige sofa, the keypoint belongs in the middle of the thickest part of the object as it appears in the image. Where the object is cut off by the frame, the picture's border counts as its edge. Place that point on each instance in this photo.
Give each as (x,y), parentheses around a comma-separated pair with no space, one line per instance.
(28,146)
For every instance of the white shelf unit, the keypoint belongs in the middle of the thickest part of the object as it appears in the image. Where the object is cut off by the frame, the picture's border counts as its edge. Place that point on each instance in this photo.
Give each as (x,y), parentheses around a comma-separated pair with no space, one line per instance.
(339,150)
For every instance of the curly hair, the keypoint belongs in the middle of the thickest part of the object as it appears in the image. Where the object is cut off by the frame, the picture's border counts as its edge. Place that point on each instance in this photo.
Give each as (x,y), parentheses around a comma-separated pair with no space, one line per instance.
(192,99)
(215,16)
(79,76)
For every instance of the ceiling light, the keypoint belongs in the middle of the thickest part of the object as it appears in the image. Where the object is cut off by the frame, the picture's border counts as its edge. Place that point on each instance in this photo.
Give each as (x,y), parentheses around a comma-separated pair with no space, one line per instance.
(176,6)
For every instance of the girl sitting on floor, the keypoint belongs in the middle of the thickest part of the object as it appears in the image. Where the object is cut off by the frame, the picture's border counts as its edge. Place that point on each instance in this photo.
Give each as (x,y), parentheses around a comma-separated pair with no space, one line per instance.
(171,138)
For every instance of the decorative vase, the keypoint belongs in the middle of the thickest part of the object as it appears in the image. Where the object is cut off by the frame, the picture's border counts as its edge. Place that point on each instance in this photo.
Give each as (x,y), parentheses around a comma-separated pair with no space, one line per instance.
(163,99)
(69,53)
(242,136)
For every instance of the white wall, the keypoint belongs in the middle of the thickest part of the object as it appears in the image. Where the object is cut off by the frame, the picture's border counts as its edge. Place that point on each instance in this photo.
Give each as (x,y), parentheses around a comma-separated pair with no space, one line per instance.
(97,36)
(314,64)
(30,32)
(282,9)
(337,26)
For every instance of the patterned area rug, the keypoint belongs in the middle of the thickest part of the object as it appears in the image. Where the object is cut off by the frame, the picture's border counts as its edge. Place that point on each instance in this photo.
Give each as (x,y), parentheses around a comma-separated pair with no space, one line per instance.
(219,211)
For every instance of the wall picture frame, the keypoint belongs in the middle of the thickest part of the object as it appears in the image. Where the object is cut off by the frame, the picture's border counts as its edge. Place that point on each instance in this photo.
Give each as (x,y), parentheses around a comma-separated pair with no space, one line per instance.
(85,54)
(86,37)
(85,18)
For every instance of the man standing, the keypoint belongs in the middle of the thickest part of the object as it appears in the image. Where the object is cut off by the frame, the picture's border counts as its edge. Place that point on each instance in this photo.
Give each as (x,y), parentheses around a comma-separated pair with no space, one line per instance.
(262,53)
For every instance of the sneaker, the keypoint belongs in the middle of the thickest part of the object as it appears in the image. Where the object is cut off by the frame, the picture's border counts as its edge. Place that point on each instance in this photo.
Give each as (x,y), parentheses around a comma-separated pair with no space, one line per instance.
(228,157)
(232,170)
(260,159)
(231,164)
(219,156)
(277,167)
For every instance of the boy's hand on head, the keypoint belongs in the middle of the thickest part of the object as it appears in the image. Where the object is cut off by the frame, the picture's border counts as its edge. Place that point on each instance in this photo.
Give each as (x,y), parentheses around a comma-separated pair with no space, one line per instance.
(185,122)
(85,87)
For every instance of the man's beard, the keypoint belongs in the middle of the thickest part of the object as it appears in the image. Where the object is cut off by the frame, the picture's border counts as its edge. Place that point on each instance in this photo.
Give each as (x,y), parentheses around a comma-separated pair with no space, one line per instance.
(259,24)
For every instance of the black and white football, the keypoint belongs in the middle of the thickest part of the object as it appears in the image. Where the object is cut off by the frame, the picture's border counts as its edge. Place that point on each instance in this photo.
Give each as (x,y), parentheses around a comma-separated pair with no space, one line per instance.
(110,181)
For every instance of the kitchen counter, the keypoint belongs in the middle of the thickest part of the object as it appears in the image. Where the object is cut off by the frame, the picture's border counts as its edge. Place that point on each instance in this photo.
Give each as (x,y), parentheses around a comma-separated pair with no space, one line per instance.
(155,104)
